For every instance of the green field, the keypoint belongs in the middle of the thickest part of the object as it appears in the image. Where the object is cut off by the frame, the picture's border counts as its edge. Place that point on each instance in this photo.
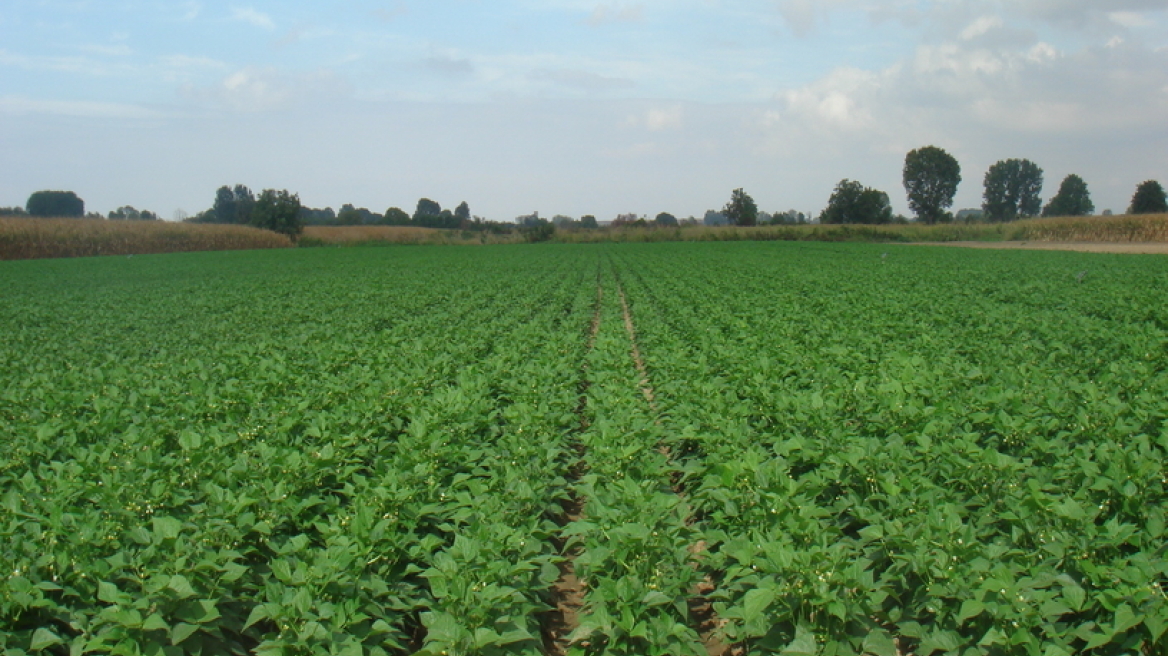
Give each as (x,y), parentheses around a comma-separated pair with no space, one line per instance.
(814,448)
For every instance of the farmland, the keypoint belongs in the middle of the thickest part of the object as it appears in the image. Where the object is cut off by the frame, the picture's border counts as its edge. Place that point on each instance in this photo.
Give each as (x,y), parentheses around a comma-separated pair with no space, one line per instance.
(674,448)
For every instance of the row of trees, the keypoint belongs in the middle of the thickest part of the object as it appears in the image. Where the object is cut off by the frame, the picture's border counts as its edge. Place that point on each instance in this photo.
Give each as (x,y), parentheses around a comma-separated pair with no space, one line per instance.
(278,211)
(1012,190)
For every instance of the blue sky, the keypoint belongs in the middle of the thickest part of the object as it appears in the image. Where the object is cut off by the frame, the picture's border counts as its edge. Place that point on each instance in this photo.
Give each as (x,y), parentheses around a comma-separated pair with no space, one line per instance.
(572,106)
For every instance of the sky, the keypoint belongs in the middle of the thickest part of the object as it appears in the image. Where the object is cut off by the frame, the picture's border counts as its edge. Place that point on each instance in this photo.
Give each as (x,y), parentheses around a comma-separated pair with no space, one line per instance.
(572,107)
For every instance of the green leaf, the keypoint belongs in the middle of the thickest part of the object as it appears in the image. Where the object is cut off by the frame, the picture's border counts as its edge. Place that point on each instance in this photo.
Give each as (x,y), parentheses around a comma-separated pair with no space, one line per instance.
(484,637)
(260,613)
(1075,596)
(755,602)
(880,643)
(166,528)
(970,608)
(43,638)
(155,623)
(992,637)
(655,598)
(181,586)
(108,592)
(189,440)
(182,631)
(803,645)
(1126,618)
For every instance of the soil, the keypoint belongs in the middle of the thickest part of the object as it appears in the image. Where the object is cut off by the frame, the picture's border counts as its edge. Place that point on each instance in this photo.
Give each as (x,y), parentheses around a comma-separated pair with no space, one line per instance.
(1139,248)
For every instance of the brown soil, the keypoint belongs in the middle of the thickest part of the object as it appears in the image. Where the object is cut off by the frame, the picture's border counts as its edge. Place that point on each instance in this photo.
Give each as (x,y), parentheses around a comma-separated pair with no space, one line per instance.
(1144,248)
(568,592)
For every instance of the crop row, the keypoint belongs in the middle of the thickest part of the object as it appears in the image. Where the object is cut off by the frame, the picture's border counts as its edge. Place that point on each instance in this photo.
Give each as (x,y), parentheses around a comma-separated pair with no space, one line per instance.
(228,465)
(369,451)
(886,466)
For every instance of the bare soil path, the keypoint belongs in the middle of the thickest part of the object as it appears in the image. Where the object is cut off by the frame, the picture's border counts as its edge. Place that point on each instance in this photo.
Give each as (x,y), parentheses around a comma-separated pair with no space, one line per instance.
(568,592)
(705,619)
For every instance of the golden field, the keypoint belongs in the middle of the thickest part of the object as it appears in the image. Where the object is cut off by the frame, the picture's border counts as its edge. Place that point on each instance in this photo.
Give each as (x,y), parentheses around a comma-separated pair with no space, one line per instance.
(25,238)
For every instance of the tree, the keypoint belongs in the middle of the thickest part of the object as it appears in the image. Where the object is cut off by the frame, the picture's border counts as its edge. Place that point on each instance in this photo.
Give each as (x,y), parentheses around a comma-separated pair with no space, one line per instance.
(1072,199)
(55,203)
(278,211)
(129,213)
(462,212)
(741,209)
(349,215)
(588,222)
(233,205)
(1148,199)
(1012,190)
(852,202)
(665,219)
(426,208)
(931,176)
(396,216)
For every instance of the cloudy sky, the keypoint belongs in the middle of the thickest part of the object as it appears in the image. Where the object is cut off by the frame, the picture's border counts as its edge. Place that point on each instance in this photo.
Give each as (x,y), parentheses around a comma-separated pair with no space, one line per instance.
(572,106)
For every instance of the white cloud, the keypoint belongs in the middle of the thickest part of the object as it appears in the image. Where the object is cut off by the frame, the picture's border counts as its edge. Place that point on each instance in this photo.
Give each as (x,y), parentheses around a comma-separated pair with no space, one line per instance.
(657,119)
(980,27)
(263,89)
(253,17)
(834,103)
(193,10)
(1130,19)
(605,14)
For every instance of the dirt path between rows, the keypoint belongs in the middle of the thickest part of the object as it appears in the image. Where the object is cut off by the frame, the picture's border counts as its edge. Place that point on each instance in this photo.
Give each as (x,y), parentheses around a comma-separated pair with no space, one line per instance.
(1134,248)
(568,592)
(705,618)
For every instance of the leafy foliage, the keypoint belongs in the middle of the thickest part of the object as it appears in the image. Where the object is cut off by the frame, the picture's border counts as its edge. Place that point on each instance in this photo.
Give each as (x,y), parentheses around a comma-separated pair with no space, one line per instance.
(55,204)
(1150,198)
(852,202)
(1072,199)
(741,210)
(366,450)
(1013,190)
(931,176)
(278,211)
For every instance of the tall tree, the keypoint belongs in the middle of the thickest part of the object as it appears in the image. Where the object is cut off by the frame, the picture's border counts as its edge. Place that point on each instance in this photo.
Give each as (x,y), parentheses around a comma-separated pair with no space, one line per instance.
(55,203)
(852,202)
(1012,190)
(589,222)
(931,176)
(665,219)
(233,205)
(1148,199)
(396,216)
(1072,199)
(278,211)
(462,212)
(426,208)
(741,209)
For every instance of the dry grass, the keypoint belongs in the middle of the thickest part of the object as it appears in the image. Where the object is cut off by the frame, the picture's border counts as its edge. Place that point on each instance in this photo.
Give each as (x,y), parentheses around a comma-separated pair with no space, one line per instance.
(1124,229)
(25,238)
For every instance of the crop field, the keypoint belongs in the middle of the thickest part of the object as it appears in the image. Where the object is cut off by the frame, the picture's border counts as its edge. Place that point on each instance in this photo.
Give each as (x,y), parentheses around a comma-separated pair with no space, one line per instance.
(722,448)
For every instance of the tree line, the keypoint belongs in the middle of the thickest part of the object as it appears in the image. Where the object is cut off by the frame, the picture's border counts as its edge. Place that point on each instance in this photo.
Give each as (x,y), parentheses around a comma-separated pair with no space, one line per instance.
(1012,190)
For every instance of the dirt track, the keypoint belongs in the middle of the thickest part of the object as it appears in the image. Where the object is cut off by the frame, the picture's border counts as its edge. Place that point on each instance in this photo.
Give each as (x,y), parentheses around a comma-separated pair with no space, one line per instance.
(1146,248)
